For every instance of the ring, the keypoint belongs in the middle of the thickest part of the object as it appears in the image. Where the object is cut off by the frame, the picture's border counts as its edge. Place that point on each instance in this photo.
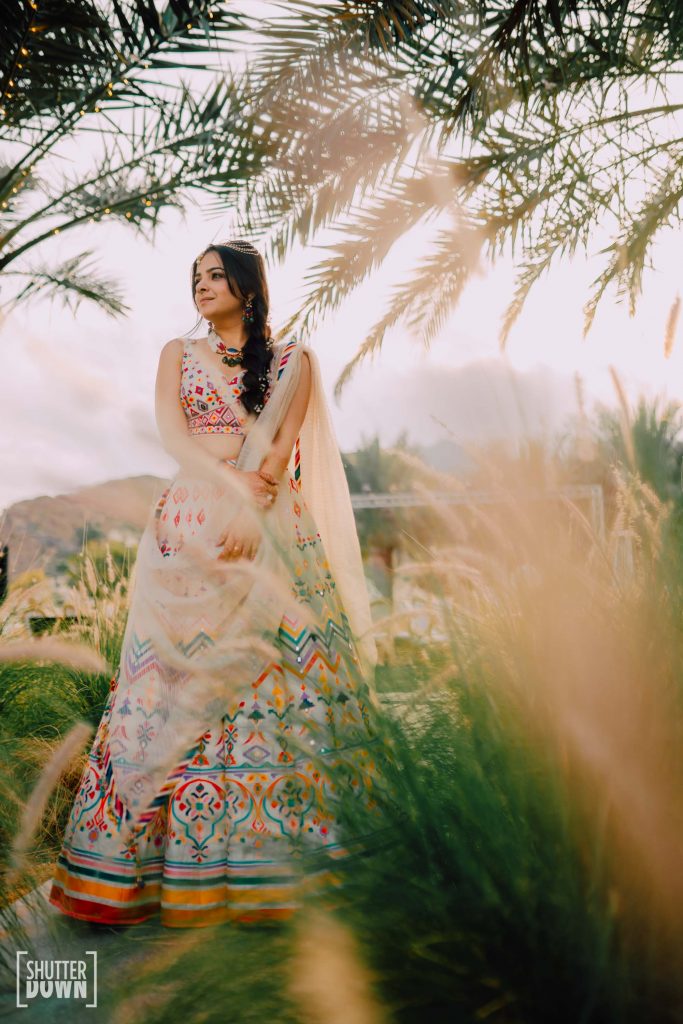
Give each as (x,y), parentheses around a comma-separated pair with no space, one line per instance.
(236,547)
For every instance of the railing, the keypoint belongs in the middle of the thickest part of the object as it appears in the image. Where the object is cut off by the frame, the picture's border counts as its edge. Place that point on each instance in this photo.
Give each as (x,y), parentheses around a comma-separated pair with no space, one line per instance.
(408,499)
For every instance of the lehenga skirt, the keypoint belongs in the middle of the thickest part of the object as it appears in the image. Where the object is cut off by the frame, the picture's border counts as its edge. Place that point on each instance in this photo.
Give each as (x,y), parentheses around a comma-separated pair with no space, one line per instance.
(248,819)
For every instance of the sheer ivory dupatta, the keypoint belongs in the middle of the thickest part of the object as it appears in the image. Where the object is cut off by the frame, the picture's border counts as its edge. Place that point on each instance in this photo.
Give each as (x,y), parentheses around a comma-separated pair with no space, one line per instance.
(200,629)
(325,491)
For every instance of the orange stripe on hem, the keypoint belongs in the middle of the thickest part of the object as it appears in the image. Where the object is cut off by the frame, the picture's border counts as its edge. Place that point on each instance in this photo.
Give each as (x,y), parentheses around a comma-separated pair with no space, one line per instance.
(118,893)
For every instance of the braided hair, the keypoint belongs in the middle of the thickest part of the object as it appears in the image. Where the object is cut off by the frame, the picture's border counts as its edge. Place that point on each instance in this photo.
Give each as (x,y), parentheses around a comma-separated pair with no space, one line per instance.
(246,275)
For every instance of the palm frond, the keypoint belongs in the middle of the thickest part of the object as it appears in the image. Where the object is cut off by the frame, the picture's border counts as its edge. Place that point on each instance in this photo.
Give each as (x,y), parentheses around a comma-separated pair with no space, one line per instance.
(369,237)
(73,281)
(628,255)
(64,58)
(532,83)
(425,299)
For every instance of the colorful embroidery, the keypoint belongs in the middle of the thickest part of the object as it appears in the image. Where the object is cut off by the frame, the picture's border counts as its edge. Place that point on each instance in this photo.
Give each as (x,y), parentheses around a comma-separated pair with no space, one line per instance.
(284,358)
(209,409)
(248,815)
(212,409)
(288,349)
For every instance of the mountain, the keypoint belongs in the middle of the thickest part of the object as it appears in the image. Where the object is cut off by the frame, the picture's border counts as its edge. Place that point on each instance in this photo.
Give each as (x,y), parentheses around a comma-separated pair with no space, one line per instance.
(42,532)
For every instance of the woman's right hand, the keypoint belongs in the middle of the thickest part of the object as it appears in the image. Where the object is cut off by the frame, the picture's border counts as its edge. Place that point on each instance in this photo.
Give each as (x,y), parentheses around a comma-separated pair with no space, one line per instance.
(263,487)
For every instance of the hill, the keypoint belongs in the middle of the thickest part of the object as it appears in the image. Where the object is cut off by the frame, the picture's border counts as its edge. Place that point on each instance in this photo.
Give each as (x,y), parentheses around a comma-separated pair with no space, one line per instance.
(42,532)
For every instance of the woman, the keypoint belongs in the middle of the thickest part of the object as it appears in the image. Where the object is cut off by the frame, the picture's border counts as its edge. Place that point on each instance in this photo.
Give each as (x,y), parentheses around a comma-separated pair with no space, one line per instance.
(208,793)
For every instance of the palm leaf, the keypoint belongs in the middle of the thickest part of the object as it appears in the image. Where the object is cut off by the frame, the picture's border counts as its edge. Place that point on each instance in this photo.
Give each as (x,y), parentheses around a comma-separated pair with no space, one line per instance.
(73,281)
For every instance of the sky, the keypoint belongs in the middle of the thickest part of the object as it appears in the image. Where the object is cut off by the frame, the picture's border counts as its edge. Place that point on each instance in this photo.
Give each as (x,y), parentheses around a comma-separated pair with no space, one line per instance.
(77,400)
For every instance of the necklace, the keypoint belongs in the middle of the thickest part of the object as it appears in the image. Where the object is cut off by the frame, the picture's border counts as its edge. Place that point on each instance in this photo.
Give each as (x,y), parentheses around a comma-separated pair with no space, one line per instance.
(231,355)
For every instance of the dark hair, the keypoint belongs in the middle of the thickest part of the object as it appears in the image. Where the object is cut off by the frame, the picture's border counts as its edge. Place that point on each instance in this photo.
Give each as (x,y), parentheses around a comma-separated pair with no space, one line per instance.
(246,275)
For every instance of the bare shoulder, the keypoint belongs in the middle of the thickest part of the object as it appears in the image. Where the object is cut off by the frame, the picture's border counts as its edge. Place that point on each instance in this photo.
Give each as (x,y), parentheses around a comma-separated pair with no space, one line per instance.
(172,351)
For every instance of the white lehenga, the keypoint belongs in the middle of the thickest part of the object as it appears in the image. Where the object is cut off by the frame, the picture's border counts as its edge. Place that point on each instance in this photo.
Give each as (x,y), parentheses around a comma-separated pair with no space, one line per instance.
(208,791)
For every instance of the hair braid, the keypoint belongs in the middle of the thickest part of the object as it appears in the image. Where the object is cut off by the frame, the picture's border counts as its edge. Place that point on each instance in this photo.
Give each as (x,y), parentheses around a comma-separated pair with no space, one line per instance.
(246,275)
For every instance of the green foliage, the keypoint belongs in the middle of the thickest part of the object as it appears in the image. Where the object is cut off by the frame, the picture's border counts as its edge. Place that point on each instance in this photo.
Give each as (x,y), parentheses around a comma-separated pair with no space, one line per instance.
(44,701)
(532,786)
(533,799)
(651,441)
(376,469)
(110,560)
(492,900)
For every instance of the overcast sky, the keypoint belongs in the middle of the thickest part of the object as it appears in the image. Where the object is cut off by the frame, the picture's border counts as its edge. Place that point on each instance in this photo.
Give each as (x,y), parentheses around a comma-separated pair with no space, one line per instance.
(78,394)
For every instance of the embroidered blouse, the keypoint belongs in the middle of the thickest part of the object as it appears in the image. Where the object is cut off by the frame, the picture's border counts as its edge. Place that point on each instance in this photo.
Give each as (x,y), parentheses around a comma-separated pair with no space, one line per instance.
(210,400)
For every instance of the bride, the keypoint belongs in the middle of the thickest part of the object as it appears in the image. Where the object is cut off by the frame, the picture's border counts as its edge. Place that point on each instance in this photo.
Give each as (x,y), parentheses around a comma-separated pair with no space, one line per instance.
(241,696)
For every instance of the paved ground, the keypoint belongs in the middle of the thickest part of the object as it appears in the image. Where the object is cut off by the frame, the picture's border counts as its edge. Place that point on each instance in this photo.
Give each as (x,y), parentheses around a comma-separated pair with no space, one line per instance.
(51,935)
(232,974)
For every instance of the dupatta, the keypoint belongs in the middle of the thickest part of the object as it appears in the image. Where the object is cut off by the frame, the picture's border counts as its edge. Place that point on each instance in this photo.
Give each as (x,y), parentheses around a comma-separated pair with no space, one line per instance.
(200,630)
(324,487)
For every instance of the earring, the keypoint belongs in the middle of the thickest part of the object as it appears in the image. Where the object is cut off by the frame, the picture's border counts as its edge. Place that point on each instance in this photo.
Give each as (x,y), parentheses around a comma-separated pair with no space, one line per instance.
(248,313)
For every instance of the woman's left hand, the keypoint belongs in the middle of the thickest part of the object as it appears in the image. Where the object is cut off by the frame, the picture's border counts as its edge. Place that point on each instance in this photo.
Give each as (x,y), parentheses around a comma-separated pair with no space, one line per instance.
(240,538)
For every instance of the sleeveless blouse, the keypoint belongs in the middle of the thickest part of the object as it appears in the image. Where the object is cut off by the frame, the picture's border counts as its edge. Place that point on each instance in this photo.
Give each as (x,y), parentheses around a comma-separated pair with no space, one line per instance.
(211,400)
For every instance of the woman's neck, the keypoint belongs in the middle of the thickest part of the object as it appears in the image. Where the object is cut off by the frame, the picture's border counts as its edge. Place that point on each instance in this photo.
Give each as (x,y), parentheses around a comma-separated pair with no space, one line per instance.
(232,334)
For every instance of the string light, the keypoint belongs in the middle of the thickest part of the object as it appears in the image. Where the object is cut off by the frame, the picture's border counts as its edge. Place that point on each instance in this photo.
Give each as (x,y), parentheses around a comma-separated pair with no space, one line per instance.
(24,52)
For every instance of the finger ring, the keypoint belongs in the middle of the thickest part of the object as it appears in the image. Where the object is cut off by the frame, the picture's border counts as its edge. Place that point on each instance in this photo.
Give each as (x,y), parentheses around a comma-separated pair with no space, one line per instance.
(236,547)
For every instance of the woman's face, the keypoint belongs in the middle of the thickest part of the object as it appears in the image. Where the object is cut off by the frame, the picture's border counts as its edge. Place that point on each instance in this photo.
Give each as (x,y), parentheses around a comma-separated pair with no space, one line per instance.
(211,292)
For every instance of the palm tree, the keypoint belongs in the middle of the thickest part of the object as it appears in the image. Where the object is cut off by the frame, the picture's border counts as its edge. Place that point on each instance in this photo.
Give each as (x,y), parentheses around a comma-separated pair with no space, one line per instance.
(79,77)
(648,443)
(383,532)
(527,125)
(372,469)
